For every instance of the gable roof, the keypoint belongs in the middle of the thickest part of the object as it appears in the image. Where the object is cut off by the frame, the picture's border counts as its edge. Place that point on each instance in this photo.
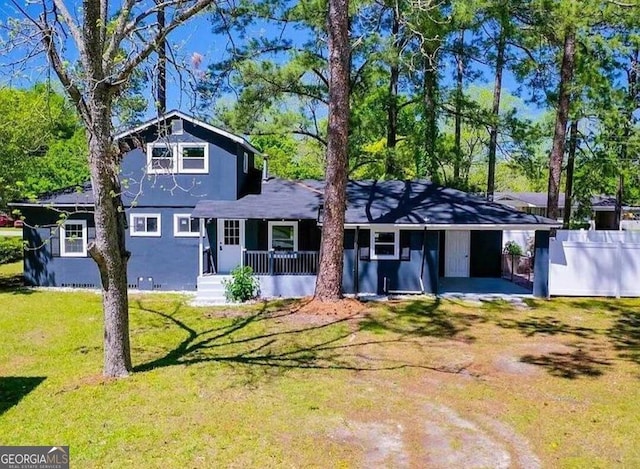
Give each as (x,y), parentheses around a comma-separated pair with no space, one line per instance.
(175,113)
(372,202)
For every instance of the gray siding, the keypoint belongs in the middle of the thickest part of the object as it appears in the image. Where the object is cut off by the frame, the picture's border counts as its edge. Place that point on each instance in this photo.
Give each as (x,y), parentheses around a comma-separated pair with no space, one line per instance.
(171,263)
(398,275)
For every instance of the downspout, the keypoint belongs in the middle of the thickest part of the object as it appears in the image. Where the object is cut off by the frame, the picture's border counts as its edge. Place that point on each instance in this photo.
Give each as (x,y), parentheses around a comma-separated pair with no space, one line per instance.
(356,264)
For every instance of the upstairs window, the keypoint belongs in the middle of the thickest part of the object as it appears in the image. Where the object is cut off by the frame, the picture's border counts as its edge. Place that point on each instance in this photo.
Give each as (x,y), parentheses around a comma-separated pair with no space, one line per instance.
(193,158)
(145,224)
(73,238)
(160,158)
(172,158)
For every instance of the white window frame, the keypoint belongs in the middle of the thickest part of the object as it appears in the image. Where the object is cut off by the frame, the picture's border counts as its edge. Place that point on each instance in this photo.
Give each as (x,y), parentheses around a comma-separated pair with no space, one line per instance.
(174,161)
(63,249)
(182,146)
(396,243)
(154,234)
(294,224)
(182,234)
(245,163)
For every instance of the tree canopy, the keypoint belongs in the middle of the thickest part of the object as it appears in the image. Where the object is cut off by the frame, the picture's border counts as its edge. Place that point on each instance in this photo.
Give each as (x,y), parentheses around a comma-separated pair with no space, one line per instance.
(42,144)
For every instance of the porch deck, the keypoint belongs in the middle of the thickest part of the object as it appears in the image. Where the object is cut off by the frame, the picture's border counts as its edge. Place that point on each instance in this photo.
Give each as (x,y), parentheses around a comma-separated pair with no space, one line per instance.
(459,286)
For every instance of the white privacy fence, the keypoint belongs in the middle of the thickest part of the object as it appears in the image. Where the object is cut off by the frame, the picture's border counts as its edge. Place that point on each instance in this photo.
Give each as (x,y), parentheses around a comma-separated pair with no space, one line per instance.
(594,263)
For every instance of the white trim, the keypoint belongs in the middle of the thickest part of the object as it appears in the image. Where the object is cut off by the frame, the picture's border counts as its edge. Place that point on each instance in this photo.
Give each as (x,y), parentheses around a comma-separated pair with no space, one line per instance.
(183,234)
(396,243)
(154,234)
(294,224)
(63,251)
(194,121)
(174,160)
(200,246)
(471,227)
(182,146)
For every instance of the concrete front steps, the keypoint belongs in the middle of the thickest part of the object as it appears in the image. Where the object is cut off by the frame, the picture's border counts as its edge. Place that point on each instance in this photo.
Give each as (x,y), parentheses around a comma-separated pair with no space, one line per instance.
(211,290)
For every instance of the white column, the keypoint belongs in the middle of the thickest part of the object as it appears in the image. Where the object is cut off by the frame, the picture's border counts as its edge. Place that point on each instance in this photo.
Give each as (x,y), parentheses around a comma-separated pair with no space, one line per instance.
(201,249)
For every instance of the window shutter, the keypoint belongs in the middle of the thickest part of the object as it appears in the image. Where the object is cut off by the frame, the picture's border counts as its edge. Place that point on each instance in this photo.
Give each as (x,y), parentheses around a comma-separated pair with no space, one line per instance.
(91,234)
(54,242)
(405,245)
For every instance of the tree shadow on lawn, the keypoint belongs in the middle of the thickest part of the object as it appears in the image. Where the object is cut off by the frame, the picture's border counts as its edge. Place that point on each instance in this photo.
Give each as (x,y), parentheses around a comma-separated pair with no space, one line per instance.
(571,365)
(625,334)
(14,388)
(314,346)
(423,318)
(547,325)
(14,284)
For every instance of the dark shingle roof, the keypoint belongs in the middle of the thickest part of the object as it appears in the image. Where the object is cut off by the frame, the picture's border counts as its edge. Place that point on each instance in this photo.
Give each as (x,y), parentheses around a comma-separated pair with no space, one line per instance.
(370,202)
(279,199)
(81,195)
(422,202)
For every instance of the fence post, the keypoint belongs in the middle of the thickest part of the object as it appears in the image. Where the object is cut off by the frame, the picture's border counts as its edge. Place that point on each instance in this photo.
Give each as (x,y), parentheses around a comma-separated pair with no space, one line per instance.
(271,262)
(512,256)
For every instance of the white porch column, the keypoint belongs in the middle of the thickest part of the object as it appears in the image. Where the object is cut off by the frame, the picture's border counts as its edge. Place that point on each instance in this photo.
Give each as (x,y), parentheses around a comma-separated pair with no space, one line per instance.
(201,249)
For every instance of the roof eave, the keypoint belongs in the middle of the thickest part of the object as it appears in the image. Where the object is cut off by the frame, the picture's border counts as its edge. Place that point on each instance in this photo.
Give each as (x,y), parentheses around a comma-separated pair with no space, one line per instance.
(193,120)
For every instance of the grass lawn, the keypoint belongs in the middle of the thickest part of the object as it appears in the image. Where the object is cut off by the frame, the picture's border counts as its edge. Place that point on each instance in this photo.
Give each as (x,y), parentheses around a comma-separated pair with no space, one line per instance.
(422,383)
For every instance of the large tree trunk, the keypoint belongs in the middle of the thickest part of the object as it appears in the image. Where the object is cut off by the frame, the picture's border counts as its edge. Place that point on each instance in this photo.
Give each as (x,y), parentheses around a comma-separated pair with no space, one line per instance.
(571,162)
(430,92)
(161,83)
(493,132)
(391,169)
(562,116)
(458,105)
(329,281)
(108,249)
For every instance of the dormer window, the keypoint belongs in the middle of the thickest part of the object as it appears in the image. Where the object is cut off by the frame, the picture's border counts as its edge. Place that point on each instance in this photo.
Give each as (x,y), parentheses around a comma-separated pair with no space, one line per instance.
(193,157)
(171,158)
(160,158)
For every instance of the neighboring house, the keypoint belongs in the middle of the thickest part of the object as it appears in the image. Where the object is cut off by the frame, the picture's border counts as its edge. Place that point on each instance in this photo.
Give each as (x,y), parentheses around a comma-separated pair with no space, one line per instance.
(603,207)
(197,207)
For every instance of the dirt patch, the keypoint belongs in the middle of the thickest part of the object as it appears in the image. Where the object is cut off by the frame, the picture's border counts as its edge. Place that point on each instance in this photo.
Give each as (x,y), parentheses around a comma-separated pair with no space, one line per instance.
(451,441)
(88,381)
(344,308)
(382,443)
(514,366)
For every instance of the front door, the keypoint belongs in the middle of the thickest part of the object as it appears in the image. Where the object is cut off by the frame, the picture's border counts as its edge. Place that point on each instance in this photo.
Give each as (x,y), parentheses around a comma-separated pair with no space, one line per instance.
(457,246)
(230,242)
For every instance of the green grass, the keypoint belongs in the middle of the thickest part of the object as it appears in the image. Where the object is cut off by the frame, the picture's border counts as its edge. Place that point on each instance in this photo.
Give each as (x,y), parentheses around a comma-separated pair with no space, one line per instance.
(265,387)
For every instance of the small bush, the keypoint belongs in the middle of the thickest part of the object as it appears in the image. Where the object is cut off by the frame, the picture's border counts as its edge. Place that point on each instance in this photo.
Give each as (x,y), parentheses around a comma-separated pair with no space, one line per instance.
(243,286)
(11,249)
(513,248)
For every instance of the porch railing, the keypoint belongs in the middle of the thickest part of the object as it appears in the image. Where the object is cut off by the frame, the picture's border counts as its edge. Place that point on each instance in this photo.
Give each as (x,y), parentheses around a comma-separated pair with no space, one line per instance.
(282,262)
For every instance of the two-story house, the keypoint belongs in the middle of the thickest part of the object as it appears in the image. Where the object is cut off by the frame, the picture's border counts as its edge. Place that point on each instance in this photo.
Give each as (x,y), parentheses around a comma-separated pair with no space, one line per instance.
(197,207)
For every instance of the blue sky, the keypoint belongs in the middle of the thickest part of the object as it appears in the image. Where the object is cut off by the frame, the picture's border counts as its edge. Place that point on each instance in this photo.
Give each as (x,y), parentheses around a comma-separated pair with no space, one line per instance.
(194,38)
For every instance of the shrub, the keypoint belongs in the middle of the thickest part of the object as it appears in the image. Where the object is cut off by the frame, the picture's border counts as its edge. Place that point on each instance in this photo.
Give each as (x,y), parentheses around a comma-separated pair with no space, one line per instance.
(513,248)
(242,286)
(11,249)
